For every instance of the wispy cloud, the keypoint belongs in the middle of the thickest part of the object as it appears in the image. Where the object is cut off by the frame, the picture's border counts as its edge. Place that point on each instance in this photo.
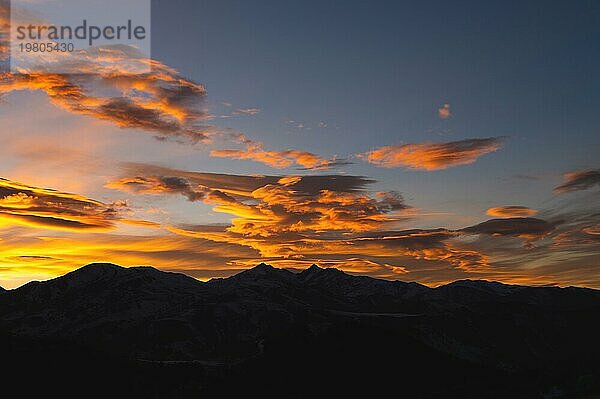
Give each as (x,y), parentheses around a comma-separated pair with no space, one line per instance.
(592,230)
(246,111)
(580,180)
(255,151)
(155,185)
(432,156)
(54,210)
(244,185)
(275,159)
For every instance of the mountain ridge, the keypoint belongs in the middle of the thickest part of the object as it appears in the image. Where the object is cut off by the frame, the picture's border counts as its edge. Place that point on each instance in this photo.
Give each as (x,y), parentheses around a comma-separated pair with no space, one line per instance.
(264,269)
(267,320)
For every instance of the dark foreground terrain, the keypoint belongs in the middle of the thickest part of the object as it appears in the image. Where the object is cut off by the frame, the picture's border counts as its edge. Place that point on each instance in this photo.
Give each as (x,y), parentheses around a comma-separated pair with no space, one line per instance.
(108,331)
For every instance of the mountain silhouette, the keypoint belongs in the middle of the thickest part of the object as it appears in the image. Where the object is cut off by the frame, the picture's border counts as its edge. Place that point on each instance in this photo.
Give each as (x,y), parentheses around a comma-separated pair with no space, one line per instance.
(319,332)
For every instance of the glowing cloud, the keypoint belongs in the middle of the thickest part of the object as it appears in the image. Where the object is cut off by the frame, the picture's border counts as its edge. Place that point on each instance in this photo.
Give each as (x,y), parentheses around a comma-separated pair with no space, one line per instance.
(254,151)
(43,208)
(511,211)
(299,219)
(593,230)
(279,207)
(432,156)
(162,101)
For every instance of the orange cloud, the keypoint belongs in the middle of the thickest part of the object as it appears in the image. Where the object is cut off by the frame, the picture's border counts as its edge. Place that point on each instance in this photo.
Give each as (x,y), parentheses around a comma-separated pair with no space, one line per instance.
(282,210)
(160,185)
(161,102)
(279,207)
(432,156)
(242,186)
(511,211)
(49,209)
(254,151)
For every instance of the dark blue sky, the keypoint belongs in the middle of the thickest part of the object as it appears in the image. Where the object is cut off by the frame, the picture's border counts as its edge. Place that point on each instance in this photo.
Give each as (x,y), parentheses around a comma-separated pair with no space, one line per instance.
(376,72)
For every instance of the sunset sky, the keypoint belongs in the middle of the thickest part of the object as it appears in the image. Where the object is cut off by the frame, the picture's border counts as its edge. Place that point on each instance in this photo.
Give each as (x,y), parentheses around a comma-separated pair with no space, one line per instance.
(422,141)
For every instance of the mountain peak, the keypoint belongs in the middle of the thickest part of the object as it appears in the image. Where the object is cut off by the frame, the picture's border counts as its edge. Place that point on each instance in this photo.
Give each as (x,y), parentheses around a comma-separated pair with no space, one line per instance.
(313,269)
(98,267)
(263,266)
(101,266)
(99,281)
(93,272)
(263,273)
(261,269)
(110,271)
